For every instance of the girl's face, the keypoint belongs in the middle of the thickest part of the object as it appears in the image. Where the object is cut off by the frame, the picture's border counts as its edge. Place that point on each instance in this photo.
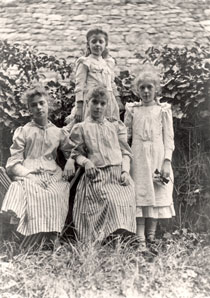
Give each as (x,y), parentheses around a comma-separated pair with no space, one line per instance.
(97,44)
(97,108)
(38,107)
(147,91)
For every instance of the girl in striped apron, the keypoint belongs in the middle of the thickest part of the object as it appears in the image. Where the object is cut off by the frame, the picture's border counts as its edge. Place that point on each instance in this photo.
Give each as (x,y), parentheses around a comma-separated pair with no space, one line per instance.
(40,193)
(105,201)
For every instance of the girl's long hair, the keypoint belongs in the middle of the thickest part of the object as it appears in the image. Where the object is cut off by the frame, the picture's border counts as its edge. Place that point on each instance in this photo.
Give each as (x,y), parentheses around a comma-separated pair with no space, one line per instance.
(97,31)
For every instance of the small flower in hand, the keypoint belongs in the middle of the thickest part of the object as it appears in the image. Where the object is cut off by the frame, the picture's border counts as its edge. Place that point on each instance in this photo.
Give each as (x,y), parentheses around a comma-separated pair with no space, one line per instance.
(159,178)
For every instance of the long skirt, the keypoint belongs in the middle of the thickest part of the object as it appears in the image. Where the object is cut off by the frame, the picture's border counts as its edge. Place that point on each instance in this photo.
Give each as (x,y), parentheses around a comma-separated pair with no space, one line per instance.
(102,205)
(40,209)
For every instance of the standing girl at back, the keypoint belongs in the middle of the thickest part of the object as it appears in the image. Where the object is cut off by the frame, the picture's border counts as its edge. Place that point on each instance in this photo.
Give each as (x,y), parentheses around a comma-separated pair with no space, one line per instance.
(150,127)
(94,69)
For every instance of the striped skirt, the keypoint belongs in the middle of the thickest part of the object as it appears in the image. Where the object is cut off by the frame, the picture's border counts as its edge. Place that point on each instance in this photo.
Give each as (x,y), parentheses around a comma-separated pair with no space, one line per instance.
(40,209)
(103,206)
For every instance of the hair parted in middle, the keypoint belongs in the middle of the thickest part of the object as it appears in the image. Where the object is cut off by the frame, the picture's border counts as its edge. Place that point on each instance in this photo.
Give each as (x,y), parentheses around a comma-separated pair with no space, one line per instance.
(148,72)
(96,31)
(36,90)
(98,92)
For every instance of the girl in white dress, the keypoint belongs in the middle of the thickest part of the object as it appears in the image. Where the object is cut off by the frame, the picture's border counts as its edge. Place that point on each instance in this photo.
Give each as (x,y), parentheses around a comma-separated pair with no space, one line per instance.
(150,127)
(39,196)
(94,69)
(105,200)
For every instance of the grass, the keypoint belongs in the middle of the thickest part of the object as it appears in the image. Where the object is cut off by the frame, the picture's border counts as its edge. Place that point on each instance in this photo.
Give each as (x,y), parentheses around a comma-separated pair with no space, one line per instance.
(178,267)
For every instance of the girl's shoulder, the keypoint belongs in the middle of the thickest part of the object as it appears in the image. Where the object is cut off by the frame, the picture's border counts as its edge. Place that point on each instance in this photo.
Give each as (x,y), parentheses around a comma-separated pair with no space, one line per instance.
(83,60)
(76,132)
(131,106)
(79,127)
(117,124)
(22,131)
(25,127)
(92,64)
(165,107)
(110,61)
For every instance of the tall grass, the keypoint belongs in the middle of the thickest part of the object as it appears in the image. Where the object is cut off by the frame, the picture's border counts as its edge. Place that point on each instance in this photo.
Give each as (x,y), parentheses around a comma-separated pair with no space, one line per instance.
(174,269)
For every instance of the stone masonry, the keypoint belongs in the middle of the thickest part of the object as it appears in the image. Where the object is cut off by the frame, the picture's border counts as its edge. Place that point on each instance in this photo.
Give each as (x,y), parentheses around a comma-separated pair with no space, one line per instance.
(59,26)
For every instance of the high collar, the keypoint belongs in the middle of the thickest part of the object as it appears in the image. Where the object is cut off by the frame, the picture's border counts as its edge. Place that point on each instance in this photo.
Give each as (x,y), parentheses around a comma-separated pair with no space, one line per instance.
(99,58)
(90,119)
(49,123)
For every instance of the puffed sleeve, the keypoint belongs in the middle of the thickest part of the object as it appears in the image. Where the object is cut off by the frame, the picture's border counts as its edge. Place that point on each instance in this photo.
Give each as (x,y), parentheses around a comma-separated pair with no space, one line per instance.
(168,131)
(77,141)
(128,119)
(81,78)
(65,145)
(17,149)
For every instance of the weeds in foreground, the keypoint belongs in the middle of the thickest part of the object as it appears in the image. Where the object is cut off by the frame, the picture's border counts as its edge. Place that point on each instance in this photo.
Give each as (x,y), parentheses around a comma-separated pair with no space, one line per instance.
(178,268)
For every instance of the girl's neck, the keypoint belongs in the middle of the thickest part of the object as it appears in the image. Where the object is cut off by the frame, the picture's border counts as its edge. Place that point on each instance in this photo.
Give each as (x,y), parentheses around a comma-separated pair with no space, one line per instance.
(99,120)
(96,57)
(41,122)
(149,104)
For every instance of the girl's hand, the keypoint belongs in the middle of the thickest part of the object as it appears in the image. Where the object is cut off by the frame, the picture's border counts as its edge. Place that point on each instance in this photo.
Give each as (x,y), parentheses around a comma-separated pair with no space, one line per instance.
(166,167)
(79,112)
(90,169)
(125,178)
(25,174)
(69,169)
(36,180)
(18,178)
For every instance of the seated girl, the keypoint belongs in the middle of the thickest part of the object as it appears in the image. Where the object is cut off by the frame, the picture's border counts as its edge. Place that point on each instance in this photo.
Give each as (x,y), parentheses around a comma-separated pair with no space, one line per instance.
(105,201)
(39,195)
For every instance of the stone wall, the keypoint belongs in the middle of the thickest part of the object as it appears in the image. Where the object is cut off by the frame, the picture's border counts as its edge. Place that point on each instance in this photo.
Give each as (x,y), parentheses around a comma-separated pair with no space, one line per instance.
(59,26)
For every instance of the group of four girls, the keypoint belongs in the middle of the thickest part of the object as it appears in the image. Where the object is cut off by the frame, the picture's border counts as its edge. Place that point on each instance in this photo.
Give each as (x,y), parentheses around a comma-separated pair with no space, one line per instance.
(107,201)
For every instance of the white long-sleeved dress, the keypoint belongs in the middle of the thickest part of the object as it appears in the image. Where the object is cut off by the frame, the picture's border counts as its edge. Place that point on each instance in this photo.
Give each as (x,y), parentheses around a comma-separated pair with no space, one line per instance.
(151,130)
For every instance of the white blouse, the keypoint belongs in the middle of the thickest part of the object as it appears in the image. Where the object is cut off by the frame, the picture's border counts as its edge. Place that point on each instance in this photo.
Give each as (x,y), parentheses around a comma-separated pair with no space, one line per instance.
(103,143)
(35,147)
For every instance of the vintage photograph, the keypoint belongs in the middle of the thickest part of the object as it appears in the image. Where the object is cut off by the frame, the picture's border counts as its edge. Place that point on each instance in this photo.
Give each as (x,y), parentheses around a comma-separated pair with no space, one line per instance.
(104,149)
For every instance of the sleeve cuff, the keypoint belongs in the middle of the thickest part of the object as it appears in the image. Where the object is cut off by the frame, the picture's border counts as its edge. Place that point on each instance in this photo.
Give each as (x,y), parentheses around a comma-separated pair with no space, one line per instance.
(126,164)
(168,154)
(79,96)
(81,160)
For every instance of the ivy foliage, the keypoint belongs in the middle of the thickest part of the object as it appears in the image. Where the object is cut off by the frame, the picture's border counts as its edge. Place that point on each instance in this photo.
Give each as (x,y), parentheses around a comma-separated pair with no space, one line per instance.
(20,67)
(186,79)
